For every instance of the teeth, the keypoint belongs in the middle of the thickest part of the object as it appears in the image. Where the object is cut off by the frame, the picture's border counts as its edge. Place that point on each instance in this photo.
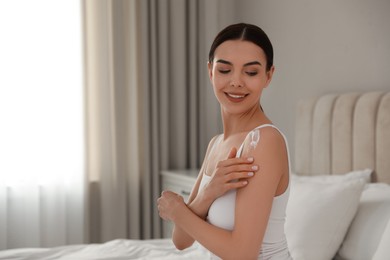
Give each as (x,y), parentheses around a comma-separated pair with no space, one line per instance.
(236,96)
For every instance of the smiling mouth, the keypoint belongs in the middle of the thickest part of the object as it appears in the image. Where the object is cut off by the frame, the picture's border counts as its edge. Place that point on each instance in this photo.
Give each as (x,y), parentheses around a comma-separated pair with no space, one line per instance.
(236,96)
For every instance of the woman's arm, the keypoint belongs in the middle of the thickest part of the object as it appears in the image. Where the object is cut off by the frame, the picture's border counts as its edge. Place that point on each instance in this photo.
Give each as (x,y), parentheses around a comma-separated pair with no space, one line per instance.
(179,237)
(253,205)
(199,201)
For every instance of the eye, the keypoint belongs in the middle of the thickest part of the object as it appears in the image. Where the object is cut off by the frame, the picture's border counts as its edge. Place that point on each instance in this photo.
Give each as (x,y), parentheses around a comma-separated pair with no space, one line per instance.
(224,71)
(251,73)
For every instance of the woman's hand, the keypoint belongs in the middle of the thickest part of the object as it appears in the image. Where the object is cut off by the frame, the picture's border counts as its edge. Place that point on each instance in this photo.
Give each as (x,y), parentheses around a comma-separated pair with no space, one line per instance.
(232,173)
(168,204)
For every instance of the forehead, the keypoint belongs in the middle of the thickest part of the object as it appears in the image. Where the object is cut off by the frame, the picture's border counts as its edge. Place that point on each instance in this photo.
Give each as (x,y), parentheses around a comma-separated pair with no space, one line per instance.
(239,51)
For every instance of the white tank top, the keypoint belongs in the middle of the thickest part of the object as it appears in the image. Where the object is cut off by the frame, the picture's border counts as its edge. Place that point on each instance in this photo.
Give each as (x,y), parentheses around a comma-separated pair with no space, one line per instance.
(222,210)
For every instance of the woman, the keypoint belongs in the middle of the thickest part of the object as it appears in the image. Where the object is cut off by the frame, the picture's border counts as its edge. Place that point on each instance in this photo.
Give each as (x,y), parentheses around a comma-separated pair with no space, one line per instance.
(237,209)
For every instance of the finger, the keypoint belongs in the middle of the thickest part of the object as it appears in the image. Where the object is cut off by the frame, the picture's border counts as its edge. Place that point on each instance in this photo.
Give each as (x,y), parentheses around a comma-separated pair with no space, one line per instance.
(242,168)
(162,215)
(167,194)
(236,168)
(236,185)
(237,176)
(223,170)
(233,161)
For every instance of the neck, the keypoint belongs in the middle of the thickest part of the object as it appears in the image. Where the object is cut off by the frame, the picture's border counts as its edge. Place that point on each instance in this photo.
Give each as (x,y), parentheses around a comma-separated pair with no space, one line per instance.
(238,123)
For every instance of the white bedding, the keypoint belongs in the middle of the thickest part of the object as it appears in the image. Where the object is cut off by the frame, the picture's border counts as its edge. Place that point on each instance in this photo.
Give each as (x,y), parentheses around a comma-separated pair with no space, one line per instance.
(120,249)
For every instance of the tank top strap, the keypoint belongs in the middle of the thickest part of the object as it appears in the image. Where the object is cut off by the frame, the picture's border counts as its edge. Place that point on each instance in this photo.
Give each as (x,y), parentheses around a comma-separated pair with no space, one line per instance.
(216,142)
(239,152)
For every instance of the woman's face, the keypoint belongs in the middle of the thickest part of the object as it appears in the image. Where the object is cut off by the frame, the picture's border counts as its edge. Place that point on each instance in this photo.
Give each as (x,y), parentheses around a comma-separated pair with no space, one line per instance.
(238,75)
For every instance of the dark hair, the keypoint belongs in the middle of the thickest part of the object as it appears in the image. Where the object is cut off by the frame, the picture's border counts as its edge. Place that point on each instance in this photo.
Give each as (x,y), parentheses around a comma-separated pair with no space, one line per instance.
(245,32)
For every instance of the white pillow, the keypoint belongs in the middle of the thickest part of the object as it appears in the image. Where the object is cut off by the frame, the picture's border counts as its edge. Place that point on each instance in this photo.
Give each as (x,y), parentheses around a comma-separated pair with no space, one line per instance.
(318,215)
(383,252)
(353,175)
(366,229)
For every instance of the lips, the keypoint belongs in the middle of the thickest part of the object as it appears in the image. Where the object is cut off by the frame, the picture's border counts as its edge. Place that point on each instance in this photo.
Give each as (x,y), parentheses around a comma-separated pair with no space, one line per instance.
(236,97)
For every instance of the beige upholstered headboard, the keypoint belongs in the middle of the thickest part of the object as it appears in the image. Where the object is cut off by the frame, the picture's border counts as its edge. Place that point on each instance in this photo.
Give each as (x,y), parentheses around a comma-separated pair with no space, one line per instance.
(335,134)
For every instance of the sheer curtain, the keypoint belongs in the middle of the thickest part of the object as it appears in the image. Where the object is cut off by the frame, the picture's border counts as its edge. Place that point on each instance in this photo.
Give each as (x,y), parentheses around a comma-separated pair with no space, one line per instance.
(41,124)
(110,105)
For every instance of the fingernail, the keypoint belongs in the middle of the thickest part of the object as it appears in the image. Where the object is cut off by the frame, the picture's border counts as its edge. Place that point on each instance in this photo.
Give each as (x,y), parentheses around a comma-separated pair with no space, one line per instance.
(250,159)
(251,173)
(245,182)
(255,167)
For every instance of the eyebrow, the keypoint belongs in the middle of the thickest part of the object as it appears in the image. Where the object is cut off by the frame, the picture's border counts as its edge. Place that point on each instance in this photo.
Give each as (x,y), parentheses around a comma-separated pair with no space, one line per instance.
(246,64)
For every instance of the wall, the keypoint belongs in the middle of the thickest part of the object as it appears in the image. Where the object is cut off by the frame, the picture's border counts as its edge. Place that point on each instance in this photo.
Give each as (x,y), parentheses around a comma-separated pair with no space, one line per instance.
(320,47)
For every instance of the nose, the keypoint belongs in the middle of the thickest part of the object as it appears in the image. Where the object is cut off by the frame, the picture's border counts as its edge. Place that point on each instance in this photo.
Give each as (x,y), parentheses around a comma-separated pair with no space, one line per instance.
(236,80)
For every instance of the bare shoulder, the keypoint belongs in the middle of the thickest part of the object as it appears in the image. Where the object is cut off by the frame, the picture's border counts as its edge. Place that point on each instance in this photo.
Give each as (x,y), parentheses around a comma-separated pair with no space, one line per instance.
(212,141)
(268,148)
(264,139)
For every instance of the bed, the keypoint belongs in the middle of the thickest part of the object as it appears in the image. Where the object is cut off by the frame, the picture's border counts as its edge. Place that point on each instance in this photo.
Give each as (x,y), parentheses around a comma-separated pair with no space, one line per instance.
(340,195)
(341,140)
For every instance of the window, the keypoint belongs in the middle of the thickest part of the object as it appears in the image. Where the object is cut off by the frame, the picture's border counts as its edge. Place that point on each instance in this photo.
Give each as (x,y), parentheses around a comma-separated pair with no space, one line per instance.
(41,93)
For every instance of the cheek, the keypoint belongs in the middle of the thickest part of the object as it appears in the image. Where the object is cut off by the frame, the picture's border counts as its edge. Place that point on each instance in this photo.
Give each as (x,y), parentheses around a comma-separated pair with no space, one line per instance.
(258,82)
(255,87)
(220,82)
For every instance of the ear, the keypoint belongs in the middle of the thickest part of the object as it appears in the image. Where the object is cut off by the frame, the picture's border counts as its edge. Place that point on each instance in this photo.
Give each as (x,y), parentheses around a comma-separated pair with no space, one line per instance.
(269,74)
(210,69)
